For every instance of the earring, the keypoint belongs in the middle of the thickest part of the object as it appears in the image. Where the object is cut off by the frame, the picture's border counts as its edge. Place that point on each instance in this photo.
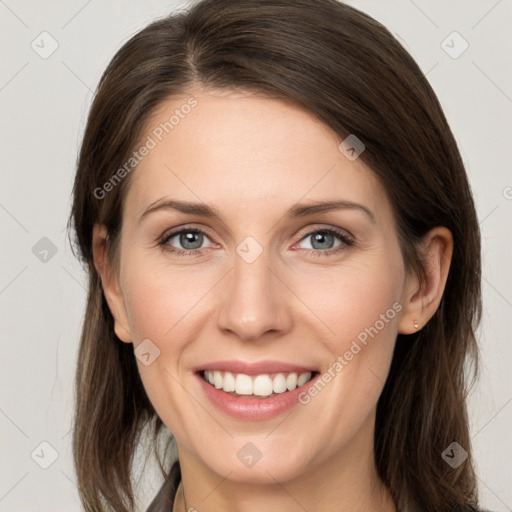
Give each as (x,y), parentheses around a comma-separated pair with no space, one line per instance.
(416,325)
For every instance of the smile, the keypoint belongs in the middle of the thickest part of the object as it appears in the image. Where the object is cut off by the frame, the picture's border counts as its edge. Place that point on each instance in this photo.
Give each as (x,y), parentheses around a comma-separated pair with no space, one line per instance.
(262,385)
(254,391)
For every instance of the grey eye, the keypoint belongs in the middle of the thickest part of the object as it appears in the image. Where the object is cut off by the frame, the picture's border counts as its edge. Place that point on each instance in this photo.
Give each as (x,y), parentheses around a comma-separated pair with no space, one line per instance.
(322,240)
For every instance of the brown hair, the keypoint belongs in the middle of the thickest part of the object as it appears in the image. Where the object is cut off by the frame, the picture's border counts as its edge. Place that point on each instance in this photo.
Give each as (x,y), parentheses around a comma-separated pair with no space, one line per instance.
(349,71)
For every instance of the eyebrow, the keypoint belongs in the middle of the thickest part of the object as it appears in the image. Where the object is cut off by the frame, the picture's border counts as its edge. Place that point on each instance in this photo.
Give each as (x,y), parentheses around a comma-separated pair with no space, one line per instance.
(297,210)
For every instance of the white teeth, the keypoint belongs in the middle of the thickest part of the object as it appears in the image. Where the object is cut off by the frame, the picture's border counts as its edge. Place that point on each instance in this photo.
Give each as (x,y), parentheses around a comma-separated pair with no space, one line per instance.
(243,384)
(262,385)
(217,379)
(229,382)
(259,385)
(291,381)
(279,383)
(303,378)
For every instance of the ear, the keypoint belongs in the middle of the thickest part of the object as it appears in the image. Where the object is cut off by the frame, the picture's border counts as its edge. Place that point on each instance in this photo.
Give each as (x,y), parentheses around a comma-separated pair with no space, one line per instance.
(421,298)
(110,283)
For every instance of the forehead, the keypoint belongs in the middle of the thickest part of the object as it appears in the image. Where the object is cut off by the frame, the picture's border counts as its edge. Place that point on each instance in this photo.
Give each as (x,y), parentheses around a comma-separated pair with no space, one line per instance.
(246,152)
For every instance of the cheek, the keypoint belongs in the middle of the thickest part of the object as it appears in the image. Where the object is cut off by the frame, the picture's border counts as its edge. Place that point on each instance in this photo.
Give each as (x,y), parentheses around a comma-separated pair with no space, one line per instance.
(355,300)
(161,306)
(361,315)
(159,299)
(336,306)
(347,302)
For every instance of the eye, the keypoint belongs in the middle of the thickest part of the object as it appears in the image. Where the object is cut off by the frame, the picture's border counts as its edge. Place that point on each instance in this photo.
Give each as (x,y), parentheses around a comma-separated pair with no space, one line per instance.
(189,241)
(322,241)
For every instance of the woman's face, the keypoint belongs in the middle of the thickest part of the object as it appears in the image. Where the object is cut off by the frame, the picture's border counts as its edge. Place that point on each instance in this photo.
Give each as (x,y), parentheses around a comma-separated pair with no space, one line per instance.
(265,289)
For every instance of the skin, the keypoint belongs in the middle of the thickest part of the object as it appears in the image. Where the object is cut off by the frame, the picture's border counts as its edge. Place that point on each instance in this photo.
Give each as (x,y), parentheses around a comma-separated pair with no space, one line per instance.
(253,158)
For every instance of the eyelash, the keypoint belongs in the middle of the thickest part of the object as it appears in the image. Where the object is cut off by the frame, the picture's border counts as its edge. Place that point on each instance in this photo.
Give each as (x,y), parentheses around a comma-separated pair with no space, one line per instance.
(346,240)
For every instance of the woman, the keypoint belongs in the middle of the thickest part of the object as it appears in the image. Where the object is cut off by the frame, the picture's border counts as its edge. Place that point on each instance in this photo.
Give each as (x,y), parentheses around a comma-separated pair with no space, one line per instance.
(284,263)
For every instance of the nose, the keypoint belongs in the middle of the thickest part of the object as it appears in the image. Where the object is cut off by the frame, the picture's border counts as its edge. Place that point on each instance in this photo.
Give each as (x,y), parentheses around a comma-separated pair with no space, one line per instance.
(254,301)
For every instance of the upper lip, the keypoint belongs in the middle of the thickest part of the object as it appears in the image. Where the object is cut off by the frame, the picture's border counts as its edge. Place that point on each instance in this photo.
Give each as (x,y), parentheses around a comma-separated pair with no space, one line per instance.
(254,368)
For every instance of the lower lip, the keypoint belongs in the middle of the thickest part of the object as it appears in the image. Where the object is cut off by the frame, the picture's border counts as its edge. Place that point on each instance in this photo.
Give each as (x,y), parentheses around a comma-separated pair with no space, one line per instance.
(244,408)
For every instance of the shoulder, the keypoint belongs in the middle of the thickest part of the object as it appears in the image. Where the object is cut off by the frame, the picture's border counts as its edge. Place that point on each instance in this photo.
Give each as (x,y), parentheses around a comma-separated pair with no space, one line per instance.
(164,500)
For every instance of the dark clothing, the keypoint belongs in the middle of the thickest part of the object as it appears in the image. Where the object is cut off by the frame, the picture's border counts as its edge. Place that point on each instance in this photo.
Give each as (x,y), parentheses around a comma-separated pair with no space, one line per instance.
(162,502)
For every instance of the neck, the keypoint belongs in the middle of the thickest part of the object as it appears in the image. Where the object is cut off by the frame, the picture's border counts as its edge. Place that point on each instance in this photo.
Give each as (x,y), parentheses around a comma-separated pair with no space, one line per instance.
(345,481)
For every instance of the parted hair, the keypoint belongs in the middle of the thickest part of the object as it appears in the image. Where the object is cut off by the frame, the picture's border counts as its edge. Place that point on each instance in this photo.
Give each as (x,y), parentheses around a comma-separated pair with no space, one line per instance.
(351,73)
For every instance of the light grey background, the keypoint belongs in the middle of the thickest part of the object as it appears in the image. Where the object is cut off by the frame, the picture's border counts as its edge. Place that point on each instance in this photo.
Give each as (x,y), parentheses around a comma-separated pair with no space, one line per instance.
(44,103)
